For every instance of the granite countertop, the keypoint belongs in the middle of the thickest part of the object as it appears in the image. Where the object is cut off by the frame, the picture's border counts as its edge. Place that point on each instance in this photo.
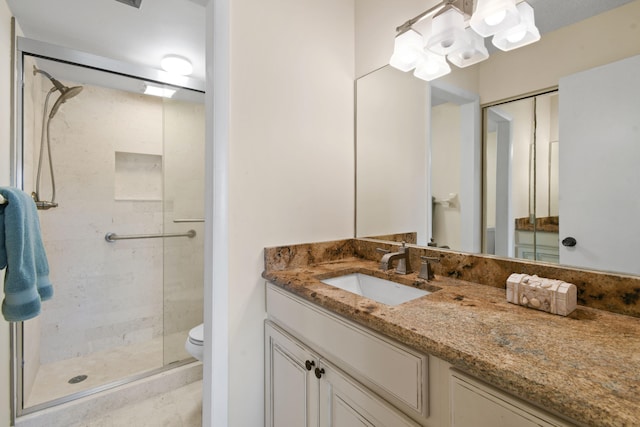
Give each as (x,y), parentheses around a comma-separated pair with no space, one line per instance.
(585,366)
(550,224)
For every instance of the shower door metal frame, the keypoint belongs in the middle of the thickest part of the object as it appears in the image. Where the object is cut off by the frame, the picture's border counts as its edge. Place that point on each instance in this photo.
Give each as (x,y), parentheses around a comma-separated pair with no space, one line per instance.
(29,47)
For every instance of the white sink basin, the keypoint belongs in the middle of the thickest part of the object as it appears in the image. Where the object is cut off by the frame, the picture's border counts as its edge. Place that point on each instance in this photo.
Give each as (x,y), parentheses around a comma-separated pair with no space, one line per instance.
(380,290)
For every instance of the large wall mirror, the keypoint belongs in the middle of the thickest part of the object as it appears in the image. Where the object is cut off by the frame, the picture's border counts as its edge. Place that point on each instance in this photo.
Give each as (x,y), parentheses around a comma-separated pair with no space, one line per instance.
(551,178)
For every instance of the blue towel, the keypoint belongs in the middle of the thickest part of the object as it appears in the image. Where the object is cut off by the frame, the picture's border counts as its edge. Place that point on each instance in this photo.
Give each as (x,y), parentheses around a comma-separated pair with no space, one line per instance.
(26,281)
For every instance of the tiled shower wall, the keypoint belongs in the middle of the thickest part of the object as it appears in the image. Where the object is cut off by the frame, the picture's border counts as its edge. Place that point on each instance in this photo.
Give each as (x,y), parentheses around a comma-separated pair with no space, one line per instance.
(183,199)
(107,295)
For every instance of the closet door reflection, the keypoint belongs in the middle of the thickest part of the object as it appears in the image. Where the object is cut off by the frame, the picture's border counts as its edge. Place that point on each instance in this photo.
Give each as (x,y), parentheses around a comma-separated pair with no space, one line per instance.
(521,178)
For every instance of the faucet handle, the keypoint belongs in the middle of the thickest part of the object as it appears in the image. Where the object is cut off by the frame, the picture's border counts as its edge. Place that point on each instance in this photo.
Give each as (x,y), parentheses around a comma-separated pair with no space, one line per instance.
(383,251)
(425,269)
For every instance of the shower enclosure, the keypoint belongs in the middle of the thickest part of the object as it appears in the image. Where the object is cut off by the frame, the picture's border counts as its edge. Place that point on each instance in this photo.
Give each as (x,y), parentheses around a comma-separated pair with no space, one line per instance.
(128,165)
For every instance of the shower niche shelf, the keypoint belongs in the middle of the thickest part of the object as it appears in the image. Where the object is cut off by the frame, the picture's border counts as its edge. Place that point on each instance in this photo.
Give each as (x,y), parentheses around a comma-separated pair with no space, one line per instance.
(138,176)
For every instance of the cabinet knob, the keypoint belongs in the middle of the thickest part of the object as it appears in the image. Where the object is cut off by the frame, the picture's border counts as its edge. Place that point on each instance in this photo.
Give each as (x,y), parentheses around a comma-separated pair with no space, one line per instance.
(569,242)
(309,364)
(319,372)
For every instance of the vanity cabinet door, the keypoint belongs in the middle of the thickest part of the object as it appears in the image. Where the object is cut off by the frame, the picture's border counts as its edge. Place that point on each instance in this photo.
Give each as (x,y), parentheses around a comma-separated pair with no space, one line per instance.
(475,404)
(346,403)
(363,354)
(291,388)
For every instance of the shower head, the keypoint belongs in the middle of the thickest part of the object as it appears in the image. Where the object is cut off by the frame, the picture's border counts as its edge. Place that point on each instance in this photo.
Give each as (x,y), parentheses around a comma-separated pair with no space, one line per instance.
(65,91)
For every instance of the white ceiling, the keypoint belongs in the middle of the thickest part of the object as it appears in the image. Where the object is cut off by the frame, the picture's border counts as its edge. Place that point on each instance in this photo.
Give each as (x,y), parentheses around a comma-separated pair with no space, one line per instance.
(553,14)
(115,30)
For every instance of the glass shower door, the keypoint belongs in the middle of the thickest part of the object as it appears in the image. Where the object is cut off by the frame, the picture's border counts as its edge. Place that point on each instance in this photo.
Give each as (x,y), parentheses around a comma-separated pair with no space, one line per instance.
(129,166)
(184,129)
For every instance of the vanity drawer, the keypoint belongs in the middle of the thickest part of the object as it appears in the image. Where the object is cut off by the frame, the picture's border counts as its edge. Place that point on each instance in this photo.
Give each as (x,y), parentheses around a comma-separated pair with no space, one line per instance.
(395,372)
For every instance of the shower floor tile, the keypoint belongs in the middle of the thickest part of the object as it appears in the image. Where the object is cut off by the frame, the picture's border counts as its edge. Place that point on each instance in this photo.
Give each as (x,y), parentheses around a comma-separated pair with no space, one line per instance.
(52,380)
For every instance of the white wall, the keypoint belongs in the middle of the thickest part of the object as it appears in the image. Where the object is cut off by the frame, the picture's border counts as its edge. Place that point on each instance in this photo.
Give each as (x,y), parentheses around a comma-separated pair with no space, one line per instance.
(5,138)
(290,158)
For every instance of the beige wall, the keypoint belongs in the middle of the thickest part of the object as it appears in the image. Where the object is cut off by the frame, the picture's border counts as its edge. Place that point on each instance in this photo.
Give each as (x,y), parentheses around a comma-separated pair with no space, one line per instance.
(290,158)
(595,41)
(376,22)
(391,132)
(5,137)
(446,173)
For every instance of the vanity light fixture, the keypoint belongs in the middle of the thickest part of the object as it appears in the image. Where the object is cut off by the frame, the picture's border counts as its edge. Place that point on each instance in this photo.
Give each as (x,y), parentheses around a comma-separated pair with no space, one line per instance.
(175,64)
(452,31)
(431,66)
(470,53)
(447,31)
(522,34)
(406,51)
(158,91)
(494,16)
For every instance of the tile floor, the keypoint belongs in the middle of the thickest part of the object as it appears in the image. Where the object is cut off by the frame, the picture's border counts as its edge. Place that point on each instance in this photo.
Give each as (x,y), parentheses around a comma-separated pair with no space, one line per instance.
(178,408)
(52,380)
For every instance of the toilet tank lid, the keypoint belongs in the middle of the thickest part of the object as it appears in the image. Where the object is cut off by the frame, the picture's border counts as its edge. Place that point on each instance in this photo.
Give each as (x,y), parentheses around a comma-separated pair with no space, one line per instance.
(197,333)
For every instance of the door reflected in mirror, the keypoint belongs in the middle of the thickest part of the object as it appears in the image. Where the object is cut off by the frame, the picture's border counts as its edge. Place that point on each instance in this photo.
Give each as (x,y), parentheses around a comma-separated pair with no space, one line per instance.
(521,178)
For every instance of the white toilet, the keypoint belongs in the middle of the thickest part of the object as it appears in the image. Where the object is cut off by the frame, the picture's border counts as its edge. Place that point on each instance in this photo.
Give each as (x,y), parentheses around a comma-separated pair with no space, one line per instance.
(193,345)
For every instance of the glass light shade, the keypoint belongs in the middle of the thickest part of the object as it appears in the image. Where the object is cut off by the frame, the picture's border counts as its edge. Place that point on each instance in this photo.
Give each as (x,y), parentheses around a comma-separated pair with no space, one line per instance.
(447,32)
(423,27)
(522,34)
(176,65)
(158,91)
(406,51)
(470,54)
(431,66)
(494,16)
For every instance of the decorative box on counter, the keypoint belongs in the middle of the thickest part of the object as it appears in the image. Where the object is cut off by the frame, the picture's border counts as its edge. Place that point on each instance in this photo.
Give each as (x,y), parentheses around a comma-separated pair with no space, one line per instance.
(552,296)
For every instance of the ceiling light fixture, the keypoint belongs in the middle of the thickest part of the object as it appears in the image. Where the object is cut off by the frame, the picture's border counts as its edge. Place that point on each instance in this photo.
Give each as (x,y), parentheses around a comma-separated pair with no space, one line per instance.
(452,30)
(158,91)
(175,64)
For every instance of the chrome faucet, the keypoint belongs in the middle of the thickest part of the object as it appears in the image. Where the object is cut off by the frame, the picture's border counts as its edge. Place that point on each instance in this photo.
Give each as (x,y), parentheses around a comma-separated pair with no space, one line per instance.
(402,256)
(426,272)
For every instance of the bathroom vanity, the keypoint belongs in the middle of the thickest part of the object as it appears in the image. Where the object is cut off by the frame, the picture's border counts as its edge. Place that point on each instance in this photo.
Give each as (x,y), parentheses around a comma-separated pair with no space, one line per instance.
(459,356)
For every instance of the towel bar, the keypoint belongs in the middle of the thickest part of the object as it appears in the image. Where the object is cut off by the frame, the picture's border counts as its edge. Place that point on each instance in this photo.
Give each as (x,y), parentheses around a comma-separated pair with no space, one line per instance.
(189,220)
(112,237)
